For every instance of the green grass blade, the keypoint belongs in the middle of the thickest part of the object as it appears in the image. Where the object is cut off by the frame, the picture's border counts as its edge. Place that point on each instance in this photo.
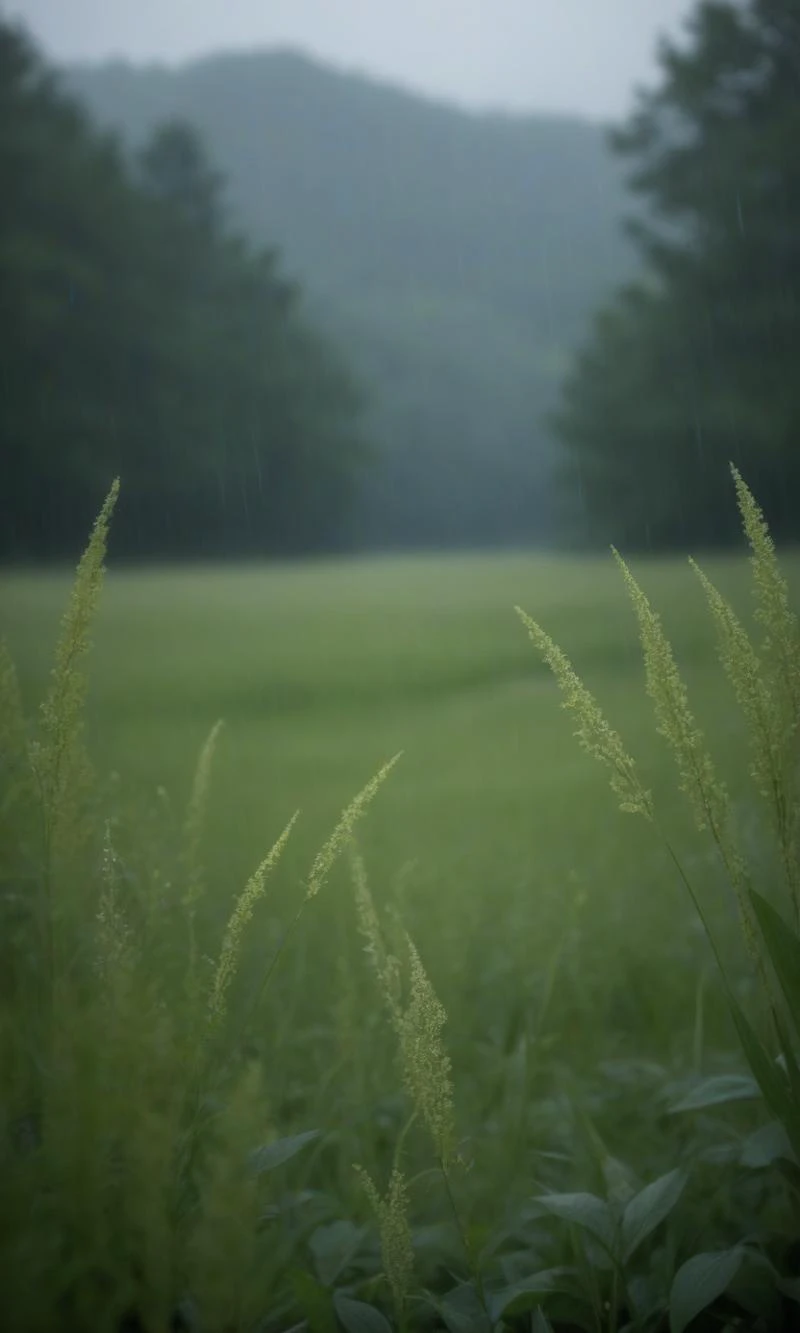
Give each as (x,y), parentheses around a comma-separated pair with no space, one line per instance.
(649,1208)
(783,948)
(767,1073)
(583,1210)
(700,1282)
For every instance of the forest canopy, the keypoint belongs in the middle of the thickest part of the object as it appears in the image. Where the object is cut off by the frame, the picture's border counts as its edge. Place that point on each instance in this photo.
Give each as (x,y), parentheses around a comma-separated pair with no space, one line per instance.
(696,363)
(453,386)
(141,337)
(455,257)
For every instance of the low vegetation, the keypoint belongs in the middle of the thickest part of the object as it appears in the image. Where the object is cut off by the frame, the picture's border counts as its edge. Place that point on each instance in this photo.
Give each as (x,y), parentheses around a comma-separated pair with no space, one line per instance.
(509,1086)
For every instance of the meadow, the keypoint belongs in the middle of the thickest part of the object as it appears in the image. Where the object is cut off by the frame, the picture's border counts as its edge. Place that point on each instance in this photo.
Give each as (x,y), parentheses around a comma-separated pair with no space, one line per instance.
(582,1003)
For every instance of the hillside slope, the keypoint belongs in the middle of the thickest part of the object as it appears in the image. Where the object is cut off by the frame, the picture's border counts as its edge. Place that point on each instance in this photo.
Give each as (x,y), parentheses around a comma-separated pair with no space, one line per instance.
(456,256)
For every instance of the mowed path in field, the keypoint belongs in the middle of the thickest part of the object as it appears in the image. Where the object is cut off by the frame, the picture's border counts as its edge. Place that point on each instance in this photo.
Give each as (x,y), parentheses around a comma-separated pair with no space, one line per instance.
(323,670)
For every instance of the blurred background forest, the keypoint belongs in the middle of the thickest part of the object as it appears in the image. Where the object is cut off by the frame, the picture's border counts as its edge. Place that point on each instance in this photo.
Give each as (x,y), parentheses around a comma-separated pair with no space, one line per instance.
(299,311)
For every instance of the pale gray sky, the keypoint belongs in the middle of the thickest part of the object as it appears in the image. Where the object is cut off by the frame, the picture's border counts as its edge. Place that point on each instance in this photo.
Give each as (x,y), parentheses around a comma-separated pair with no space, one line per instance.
(536,55)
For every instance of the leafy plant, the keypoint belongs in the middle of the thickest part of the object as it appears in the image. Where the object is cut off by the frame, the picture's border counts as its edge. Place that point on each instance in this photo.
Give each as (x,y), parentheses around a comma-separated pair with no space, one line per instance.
(766,684)
(137,1145)
(160,1170)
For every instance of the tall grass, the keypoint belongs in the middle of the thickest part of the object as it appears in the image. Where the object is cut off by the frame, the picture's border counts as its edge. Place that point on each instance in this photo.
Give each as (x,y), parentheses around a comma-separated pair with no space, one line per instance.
(765,680)
(179,1149)
(766,684)
(135,1154)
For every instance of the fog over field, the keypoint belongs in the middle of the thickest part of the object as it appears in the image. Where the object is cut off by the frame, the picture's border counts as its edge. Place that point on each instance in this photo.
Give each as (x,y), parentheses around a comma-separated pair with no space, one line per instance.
(570,58)
(400,796)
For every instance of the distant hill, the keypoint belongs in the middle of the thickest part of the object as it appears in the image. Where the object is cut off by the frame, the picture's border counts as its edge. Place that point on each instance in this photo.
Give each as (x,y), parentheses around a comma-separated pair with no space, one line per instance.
(456,256)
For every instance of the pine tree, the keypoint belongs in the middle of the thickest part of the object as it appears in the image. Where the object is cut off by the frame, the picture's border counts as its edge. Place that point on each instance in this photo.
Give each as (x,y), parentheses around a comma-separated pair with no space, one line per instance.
(694,365)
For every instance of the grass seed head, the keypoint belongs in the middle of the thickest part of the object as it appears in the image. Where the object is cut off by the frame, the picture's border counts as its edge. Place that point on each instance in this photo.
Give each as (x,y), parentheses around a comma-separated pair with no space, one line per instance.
(385,966)
(426,1064)
(674,717)
(195,817)
(594,733)
(61,712)
(771,594)
(340,837)
(395,1234)
(238,921)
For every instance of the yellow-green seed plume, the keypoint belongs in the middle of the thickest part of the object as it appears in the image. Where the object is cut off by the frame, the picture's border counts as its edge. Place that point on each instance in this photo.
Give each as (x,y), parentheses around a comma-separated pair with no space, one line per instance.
(772,598)
(673,715)
(706,792)
(594,733)
(239,919)
(386,966)
(195,818)
(743,668)
(61,713)
(397,1253)
(780,672)
(771,747)
(426,1064)
(341,834)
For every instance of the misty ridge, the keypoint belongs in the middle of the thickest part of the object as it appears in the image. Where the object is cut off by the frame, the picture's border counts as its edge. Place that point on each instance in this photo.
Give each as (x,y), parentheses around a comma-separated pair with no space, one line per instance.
(334,996)
(454,259)
(299,312)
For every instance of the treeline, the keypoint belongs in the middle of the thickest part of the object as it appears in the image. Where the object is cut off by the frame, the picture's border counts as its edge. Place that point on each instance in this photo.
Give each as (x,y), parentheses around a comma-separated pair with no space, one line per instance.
(697,364)
(455,257)
(140,337)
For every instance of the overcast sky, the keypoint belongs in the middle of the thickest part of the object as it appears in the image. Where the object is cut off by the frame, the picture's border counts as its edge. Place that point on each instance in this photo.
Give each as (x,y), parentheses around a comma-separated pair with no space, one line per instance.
(580,56)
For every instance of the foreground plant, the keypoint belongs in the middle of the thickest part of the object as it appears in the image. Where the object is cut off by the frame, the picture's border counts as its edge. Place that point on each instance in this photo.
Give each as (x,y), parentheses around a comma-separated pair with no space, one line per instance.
(144,1151)
(137,1144)
(766,683)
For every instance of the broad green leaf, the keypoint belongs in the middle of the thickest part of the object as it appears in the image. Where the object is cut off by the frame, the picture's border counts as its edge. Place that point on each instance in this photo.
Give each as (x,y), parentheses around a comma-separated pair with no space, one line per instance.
(270,1155)
(620,1180)
(717,1091)
(598,1256)
(755,1289)
(573,1311)
(526,1294)
(648,1208)
(790,1286)
(462,1311)
(770,1078)
(583,1210)
(540,1323)
(646,1296)
(699,1282)
(766,1145)
(790,1172)
(356,1317)
(315,1303)
(334,1247)
(788,1063)
(783,948)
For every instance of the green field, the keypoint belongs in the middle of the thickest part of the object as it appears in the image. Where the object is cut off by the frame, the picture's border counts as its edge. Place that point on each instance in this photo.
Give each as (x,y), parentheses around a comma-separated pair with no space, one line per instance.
(494,819)
(553,927)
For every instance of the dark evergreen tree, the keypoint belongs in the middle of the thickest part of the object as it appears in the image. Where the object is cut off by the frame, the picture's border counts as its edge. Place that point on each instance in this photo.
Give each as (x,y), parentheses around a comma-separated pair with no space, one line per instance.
(455,256)
(139,337)
(696,364)
(173,167)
